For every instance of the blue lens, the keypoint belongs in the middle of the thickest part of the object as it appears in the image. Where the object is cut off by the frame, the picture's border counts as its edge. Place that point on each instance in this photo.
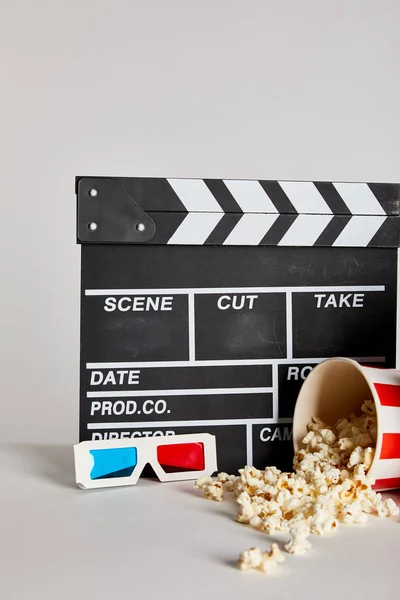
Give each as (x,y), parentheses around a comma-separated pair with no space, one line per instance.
(113,462)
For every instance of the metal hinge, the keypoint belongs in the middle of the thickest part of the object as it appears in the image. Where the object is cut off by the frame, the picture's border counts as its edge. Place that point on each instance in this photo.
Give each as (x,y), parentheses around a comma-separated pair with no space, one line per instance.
(107,214)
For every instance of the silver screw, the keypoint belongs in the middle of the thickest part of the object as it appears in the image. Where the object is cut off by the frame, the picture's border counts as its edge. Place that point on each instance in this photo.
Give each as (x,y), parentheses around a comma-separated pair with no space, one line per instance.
(141,227)
(93,193)
(92,226)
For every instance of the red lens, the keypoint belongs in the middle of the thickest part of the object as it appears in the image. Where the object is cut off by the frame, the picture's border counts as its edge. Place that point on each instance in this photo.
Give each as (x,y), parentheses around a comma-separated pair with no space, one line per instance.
(175,458)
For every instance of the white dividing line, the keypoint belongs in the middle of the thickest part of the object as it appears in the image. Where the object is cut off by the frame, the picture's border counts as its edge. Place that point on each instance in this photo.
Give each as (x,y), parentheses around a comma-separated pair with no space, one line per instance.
(191,321)
(185,363)
(196,423)
(238,290)
(190,392)
(224,363)
(275,393)
(249,443)
(289,326)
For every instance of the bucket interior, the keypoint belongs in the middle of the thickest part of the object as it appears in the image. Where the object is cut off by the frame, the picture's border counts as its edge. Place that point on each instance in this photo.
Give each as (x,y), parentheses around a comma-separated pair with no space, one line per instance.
(333,390)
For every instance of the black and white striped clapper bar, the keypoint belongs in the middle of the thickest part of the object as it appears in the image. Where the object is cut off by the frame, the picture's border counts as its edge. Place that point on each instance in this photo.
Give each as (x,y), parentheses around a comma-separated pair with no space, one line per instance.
(206,303)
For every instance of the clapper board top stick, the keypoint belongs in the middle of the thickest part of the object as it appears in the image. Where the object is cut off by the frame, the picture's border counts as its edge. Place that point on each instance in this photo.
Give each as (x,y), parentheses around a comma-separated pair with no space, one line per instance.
(206,303)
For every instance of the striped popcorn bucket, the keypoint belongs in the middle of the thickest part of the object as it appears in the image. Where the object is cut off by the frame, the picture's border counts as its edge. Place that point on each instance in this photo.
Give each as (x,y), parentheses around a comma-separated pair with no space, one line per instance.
(337,387)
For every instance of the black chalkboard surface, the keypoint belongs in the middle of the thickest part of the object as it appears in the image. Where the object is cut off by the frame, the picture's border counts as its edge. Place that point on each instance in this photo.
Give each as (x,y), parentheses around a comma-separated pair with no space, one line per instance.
(180,337)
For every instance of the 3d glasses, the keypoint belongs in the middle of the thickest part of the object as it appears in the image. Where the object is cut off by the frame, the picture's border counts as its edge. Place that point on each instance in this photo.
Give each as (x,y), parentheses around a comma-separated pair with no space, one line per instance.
(109,463)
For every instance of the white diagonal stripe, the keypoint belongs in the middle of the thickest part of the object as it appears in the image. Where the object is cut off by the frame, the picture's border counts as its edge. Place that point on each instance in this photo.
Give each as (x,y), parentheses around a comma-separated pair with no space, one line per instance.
(305,230)
(195,228)
(359,231)
(305,197)
(195,195)
(386,468)
(359,198)
(250,196)
(250,230)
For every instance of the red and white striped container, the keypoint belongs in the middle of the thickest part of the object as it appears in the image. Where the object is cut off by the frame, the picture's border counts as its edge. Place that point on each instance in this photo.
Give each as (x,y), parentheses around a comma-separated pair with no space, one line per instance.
(339,386)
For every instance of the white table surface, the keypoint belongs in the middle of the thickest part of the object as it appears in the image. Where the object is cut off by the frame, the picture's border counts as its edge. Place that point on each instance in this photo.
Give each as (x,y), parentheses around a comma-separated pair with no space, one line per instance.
(163,541)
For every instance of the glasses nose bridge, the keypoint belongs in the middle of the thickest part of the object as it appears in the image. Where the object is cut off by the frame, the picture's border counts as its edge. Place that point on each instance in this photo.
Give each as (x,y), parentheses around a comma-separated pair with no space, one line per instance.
(147,455)
(150,453)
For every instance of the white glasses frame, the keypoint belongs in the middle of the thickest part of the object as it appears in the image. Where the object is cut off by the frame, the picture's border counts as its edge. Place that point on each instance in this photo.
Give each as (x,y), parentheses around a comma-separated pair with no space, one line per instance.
(146,453)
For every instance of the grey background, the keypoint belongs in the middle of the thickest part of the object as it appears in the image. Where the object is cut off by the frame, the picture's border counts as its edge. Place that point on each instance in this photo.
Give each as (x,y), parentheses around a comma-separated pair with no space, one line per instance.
(242,89)
(155,540)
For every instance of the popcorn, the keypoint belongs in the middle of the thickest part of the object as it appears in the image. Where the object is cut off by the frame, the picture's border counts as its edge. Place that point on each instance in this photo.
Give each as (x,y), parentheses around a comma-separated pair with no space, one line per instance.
(346,444)
(328,436)
(363,456)
(356,457)
(368,407)
(213,490)
(283,497)
(387,508)
(299,544)
(250,559)
(202,482)
(251,479)
(266,562)
(228,481)
(332,475)
(299,486)
(271,474)
(369,454)
(359,475)
(322,521)
(271,523)
(344,474)
(293,505)
(255,521)
(330,485)
(364,440)
(316,424)
(307,465)
(312,439)
(341,424)
(246,508)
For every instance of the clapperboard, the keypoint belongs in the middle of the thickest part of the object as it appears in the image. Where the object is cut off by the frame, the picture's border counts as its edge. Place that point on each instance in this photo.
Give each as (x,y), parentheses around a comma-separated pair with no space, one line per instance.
(205,303)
